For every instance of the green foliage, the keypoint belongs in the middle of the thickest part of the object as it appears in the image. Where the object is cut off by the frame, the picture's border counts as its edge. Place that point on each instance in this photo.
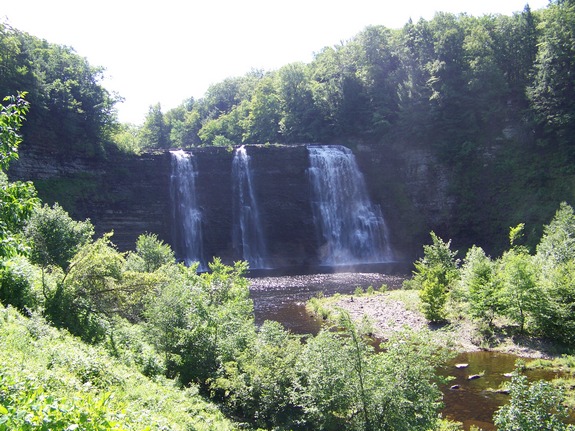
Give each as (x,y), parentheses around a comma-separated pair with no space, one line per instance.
(434,275)
(341,383)
(515,233)
(126,138)
(316,306)
(17,199)
(71,110)
(50,380)
(555,318)
(26,407)
(94,289)
(324,388)
(535,293)
(552,92)
(257,384)
(154,133)
(54,237)
(519,294)
(151,253)
(11,119)
(200,322)
(482,285)
(433,296)
(533,407)
(557,245)
(556,258)
(20,284)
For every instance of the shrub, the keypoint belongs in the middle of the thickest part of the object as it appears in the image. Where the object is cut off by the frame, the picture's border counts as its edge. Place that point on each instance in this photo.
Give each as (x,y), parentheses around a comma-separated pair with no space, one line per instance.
(19,284)
(533,407)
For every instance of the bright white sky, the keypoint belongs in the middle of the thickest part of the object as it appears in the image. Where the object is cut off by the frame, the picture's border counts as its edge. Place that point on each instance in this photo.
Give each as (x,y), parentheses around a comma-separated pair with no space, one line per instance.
(167,51)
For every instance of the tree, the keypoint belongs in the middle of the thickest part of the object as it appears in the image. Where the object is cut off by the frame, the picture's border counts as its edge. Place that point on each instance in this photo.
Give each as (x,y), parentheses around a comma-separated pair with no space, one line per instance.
(151,253)
(520,293)
(404,395)
(17,199)
(55,237)
(95,289)
(343,384)
(434,274)
(481,284)
(533,407)
(261,124)
(557,244)
(556,258)
(72,110)
(552,92)
(298,113)
(224,129)
(200,322)
(11,119)
(154,132)
(324,388)
(257,384)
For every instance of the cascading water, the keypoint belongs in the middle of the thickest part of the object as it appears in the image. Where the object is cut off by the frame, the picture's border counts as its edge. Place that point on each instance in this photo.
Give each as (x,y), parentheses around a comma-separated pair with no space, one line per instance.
(187,217)
(351,229)
(248,238)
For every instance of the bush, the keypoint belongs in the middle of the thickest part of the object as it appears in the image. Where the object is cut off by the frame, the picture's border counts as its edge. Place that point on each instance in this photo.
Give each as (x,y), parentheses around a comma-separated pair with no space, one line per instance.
(533,407)
(20,284)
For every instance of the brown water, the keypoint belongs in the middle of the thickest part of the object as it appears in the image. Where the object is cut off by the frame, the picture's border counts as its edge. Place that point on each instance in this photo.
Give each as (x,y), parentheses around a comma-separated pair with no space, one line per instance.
(283,299)
(475,401)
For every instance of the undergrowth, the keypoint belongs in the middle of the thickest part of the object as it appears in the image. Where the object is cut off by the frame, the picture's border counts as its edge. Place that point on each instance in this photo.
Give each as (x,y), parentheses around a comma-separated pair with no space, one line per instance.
(50,380)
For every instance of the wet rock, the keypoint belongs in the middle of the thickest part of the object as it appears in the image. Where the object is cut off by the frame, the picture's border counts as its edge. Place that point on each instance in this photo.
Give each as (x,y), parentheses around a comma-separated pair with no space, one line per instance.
(474,377)
(455,387)
(461,365)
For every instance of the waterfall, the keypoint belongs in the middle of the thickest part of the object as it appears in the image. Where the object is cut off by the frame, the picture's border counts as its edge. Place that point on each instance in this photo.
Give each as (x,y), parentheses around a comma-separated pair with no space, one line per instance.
(187,217)
(351,230)
(248,238)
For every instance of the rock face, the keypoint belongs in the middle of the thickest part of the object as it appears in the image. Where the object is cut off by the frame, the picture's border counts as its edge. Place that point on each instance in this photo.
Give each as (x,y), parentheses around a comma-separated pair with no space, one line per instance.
(125,194)
(280,183)
(131,195)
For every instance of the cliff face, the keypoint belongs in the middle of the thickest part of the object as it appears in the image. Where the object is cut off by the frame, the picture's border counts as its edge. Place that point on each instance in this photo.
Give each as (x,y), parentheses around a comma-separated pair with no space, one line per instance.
(131,195)
(414,191)
(125,194)
(282,191)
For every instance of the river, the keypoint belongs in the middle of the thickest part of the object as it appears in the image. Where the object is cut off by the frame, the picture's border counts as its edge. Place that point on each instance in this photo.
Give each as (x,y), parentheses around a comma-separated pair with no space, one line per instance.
(282,298)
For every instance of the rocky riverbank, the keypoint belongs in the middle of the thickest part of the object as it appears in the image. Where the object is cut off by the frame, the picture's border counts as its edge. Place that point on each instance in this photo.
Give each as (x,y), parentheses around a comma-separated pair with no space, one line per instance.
(391,311)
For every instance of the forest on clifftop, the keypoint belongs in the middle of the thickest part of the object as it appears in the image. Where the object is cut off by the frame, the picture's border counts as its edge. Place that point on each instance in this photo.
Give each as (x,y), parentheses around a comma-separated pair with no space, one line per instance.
(492,97)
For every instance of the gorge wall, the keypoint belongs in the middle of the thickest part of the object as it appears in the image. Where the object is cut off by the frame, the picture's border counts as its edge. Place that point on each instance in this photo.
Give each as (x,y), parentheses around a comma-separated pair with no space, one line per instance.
(131,195)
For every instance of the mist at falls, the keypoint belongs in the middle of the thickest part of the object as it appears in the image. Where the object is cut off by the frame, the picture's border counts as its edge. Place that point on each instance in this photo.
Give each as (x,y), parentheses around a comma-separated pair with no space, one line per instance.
(187,217)
(248,237)
(351,230)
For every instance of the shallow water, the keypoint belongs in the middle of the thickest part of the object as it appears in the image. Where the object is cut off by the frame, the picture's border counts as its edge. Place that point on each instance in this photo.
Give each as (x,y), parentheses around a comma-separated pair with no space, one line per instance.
(283,299)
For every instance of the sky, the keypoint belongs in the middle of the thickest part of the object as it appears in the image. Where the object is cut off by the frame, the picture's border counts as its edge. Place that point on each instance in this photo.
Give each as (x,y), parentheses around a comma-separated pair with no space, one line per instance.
(170,50)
